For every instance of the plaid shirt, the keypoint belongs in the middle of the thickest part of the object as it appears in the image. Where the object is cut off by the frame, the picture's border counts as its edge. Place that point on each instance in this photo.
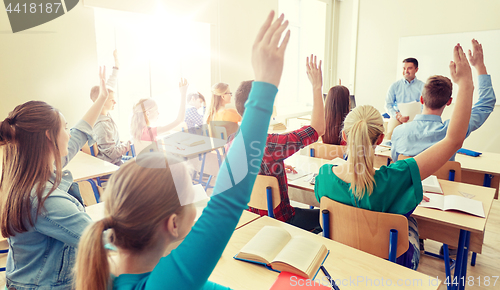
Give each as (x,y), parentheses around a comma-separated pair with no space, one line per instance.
(192,118)
(278,148)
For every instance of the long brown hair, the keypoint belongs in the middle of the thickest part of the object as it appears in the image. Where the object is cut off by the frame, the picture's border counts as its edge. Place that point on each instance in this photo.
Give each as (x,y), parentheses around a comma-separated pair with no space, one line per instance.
(216,103)
(29,137)
(138,198)
(362,126)
(336,109)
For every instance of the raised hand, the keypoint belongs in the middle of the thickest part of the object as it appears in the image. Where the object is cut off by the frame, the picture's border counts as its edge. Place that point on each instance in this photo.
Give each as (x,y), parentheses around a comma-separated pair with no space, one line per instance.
(103,91)
(183,86)
(314,72)
(459,68)
(476,57)
(115,55)
(267,55)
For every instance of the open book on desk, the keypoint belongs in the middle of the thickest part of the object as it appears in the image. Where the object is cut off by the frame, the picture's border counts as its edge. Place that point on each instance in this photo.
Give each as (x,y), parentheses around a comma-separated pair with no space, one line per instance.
(454,202)
(431,184)
(278,250)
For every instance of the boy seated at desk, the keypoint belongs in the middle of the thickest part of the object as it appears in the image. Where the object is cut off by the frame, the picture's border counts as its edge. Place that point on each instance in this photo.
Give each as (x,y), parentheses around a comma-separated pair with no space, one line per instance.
(281,146)
(427,128)
(110,147)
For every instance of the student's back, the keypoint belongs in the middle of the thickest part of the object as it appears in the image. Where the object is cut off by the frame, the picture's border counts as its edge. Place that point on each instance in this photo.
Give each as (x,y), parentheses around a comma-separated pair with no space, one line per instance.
(336,109)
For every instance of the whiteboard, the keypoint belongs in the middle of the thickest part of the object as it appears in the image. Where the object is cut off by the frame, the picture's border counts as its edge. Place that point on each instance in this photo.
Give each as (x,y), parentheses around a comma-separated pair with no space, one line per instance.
(434,53)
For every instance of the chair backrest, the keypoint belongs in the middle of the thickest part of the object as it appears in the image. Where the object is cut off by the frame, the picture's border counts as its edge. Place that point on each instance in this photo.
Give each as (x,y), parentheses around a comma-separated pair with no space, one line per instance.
(365,230)
(259,199)
(91,151)
(87,193)
(218,132)
(444,171)
(327,151)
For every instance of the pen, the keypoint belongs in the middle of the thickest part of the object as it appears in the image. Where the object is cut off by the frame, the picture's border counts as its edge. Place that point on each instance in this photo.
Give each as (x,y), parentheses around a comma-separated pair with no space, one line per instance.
(332,282)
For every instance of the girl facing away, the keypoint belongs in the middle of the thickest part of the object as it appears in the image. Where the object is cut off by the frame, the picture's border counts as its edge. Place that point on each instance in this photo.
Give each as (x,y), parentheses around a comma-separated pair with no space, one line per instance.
(144,116)
(336,109)
(395,188)
(218,115)
(42,213)
(147,200)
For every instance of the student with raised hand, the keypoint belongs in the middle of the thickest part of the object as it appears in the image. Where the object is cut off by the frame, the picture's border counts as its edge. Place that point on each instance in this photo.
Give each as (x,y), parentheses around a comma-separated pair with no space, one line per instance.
(106,134)
(396,188)
(281,146)
(145,114)
(427,128)
(146,211)
(42,213)
(337,107)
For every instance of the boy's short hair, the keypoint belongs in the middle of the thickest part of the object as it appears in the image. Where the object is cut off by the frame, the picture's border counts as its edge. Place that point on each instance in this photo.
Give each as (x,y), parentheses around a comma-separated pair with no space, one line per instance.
(241,96)
(437,92)
(195,96)
(412,60)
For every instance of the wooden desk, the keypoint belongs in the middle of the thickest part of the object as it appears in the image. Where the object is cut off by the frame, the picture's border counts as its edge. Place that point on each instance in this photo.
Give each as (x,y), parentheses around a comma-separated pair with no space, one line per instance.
(350,268)
(170,145)
(445,226)
(84,166)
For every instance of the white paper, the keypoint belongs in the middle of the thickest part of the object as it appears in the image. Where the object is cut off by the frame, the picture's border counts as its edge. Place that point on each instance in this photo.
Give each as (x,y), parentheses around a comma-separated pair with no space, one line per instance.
(410,109)
(431,184)
(300,173)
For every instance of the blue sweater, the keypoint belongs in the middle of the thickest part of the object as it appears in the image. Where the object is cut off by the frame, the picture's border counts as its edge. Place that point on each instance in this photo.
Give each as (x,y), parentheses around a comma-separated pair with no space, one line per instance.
(190,265)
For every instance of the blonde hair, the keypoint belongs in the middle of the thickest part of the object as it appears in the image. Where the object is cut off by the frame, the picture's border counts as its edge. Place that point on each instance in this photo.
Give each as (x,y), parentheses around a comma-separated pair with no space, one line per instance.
(218,90)
(139,118)
(137,198)
(362,127)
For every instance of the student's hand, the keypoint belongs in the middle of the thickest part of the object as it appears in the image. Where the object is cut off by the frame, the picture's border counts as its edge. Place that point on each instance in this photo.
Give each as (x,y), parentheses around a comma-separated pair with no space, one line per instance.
(476,57)
(401,118)
(426,199)
(290,169)
(314,72)
(267,56)
(459,68)
(103,91)
(183,86)
(115,55)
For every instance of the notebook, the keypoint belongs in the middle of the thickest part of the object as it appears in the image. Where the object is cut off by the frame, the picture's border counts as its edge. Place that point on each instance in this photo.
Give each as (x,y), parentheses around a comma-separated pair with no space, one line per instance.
(454,202)
(431,184)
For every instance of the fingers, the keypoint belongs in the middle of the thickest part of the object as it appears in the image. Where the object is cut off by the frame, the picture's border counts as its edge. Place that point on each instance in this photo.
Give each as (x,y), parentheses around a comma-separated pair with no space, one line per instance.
(265,27)
(277,34)
(272,29)
(453,69)
(284,43)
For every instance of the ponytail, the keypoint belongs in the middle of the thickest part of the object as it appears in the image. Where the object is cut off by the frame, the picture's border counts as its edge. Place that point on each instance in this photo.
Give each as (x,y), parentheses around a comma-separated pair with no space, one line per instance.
(6,131)
(362,126)
(92,267)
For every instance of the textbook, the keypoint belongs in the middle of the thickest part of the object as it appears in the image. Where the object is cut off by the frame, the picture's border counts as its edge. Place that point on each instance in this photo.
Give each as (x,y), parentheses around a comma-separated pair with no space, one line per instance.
(289,281)
(454,202)
(278,250)
(431,184)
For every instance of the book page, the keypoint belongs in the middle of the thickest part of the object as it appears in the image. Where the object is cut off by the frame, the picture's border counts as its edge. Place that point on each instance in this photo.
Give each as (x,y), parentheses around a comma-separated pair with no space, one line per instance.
(300,253)
(431,184)
(410,109)
(436,201)
(300,173)
(455,202)
(267,243)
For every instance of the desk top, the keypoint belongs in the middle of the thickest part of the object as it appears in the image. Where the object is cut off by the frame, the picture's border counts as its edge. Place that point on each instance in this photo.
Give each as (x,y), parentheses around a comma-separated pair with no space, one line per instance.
(169,144)
(84,166)
(306,164)
(349,267)
(455,219)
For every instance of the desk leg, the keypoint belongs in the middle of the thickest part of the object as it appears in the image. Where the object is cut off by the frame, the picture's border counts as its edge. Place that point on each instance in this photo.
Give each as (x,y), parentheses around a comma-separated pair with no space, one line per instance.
(464,263)
(446,256)
(460,256)
(487,180)
(473,259)
(202,167)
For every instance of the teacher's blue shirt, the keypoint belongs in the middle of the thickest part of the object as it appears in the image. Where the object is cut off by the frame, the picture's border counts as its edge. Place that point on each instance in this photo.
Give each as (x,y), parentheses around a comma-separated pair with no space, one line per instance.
(403,91)
(425,130)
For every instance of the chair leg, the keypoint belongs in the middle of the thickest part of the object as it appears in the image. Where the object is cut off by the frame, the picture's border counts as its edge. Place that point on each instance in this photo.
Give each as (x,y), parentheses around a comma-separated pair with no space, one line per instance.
(95,189)
(326,223)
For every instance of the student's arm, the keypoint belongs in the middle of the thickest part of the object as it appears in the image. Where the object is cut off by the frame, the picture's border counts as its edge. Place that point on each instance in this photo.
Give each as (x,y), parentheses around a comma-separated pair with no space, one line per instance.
(190,265)
(282,146)
(183,86)
(318,112)
(93,113)
(112,80)
(486,103)
(436,156)
(106,143)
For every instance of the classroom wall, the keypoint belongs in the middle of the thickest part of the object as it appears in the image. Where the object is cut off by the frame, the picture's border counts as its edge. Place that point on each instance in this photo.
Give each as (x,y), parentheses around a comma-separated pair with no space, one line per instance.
(381,23)
(57,61)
